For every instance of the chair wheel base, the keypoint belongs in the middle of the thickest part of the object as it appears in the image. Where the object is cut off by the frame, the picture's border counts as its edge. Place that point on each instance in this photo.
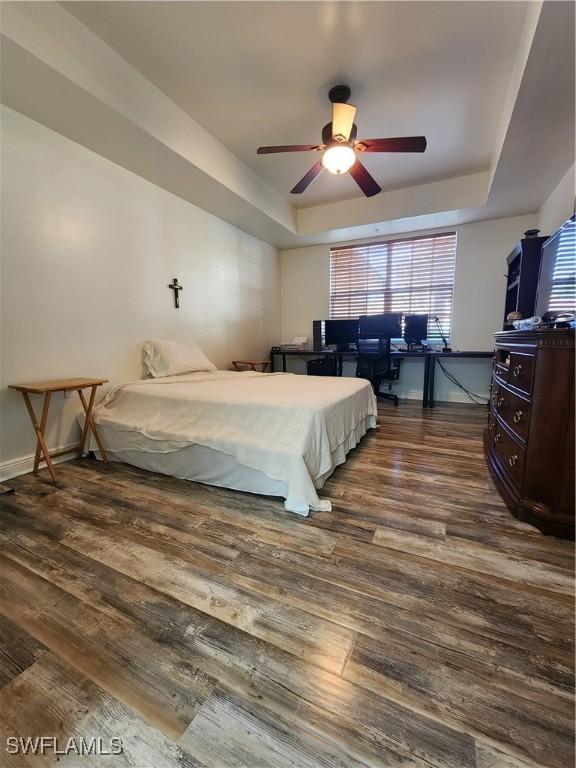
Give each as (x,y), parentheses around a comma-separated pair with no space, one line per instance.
(386,396)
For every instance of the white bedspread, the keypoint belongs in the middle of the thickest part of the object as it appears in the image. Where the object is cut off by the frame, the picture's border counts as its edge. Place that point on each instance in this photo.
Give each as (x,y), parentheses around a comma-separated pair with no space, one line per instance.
(292,428)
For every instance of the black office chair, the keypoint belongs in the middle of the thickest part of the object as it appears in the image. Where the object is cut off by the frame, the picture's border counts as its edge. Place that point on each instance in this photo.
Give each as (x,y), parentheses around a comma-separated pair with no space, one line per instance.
(377,366)
(324,366)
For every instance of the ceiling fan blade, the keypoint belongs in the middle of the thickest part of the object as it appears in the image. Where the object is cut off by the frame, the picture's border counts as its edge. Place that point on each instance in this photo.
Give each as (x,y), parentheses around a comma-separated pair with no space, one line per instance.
(342,121)
(400,144)
(290,148)
(367,184)
(306,180)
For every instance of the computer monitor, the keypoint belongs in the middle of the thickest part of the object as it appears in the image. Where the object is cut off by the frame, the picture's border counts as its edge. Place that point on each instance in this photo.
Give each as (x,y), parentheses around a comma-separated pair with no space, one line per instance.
(415,329)
(387,326)
(340,332)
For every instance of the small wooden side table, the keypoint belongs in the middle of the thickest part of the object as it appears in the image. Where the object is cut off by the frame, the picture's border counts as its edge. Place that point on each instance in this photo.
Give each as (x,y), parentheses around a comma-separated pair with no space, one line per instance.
(251,364)
(47,388)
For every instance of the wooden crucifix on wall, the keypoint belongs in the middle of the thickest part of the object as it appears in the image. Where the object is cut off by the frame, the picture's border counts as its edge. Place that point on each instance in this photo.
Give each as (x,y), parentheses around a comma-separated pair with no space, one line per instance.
(176,288)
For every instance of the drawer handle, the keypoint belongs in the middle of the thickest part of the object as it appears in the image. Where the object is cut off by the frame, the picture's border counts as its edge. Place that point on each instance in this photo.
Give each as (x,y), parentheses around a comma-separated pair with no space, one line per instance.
(513,460)
(516,371)
(517,418)
(500,402)
(497,437)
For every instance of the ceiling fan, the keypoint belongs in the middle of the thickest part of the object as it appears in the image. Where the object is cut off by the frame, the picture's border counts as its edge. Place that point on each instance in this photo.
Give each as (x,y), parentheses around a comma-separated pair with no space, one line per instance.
(341,148)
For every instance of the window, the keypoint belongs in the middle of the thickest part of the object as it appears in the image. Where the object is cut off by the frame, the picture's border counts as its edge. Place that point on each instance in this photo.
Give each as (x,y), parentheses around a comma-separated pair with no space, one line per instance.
(412,276)
(563,286)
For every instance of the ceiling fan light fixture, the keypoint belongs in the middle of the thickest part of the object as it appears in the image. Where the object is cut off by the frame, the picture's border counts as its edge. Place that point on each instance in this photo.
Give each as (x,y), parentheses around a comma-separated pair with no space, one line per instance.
(338,159)
(340,149)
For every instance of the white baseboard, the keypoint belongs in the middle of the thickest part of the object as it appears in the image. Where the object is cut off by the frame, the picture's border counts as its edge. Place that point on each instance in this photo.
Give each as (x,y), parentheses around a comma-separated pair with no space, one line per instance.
(25,464)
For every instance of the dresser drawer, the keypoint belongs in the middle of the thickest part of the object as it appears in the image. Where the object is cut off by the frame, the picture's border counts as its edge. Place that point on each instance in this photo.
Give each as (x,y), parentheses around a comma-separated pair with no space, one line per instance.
(500,370)
(520,372)
(494,394)
(492,425)
(513,409)
(509,453)
(501,362)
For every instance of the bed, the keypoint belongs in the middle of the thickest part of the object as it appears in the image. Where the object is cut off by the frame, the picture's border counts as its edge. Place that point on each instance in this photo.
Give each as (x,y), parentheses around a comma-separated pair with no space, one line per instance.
(276,434)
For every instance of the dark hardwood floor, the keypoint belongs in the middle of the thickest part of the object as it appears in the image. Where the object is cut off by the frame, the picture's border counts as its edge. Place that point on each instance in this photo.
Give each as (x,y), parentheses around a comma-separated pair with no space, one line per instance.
(416,625)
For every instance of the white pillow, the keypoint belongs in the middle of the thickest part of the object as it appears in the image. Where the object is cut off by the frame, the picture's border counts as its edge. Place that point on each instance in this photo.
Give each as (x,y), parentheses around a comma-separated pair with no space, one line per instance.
(169,358)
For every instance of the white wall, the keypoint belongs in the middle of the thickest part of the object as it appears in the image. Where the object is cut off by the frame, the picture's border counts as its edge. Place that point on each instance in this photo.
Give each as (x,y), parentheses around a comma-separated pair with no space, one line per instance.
(88,249)
(559,206)
(478,308)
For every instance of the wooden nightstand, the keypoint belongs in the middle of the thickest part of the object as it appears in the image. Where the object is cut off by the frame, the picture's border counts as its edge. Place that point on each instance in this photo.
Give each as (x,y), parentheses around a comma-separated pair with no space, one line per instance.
(47,388)
(251,364)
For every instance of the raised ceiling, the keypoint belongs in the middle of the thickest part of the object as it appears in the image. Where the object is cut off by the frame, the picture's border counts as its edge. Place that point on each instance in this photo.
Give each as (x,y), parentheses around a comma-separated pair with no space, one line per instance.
(183,93)
(258,73)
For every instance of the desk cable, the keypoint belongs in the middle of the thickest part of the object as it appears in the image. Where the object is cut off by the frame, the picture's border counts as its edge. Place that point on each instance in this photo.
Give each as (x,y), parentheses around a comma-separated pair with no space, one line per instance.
(473,396)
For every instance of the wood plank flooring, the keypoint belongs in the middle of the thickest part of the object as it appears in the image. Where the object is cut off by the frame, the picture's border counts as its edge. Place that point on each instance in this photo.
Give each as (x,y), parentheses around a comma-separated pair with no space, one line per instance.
(416,625)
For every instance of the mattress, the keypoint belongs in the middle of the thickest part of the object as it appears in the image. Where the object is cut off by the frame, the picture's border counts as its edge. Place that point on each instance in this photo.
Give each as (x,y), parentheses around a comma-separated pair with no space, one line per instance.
(278,434)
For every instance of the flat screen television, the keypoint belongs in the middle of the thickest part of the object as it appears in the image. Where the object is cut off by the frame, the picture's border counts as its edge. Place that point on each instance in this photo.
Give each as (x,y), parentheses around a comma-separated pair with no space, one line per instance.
(557,281)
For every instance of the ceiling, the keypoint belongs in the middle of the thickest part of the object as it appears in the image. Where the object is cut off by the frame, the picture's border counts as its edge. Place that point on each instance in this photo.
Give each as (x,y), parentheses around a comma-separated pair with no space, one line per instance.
(183,93)
(258,73)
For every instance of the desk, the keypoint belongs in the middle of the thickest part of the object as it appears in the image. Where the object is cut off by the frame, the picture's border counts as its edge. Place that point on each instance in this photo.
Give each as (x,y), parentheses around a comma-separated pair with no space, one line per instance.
(351,355)
(429,362)
(47,388)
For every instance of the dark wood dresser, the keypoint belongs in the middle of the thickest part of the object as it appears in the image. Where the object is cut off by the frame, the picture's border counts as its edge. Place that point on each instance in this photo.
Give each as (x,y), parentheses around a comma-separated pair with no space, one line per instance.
(529,439)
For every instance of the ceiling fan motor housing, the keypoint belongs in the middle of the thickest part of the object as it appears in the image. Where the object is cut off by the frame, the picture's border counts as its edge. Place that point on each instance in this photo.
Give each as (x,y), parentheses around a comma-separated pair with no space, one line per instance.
(327,135)
(339,94)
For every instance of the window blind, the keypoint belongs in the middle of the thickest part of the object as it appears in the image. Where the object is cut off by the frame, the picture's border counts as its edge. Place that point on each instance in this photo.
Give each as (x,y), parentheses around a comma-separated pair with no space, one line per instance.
(412,276)
(563,289)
